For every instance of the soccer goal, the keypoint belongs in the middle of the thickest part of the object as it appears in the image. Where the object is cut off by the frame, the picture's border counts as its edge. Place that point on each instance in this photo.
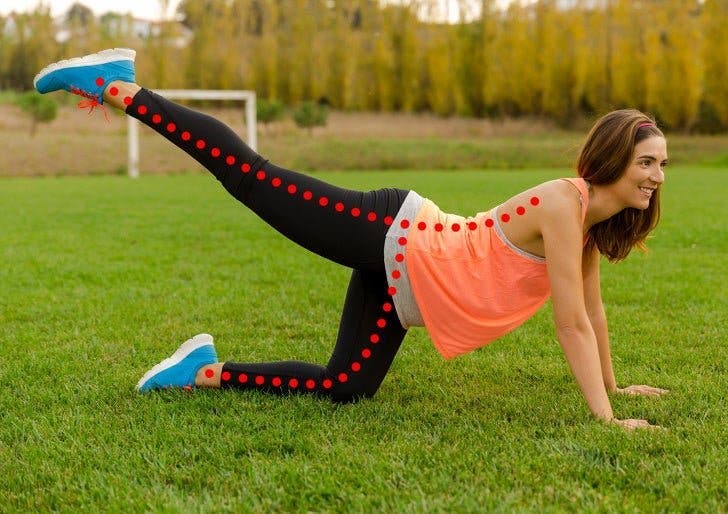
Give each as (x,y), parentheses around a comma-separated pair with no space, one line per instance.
(194,94)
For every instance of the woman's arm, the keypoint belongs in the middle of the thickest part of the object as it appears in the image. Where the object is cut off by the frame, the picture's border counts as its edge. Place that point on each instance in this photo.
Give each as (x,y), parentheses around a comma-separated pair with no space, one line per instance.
(597,317)
(561,229)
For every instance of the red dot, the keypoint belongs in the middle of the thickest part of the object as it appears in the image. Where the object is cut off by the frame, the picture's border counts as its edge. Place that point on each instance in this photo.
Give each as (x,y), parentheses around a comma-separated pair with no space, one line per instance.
(506,218)
(292,189)
(387,307)
(307,195)
(242,378)
(215,152)
(343,377)
(381,322)
(276,182)
(100,81)
(392,291)
(310,384)
(225,376)
(520,210)
(328,383)
(276,382)
(374,338)
(422,225)
(535,201)
(156,118)
(339,207)
(171,127)
(404,223)
(323,201)
(399,257)
(455,227)
(366,353)
(260,175)
(113,90)
(396,274)
(142,109)
(209,373)
(230,160)
(260,380)
(200,144)
(355,212)
(472,225)
(438,227)
(293,383)
(186,136)
(355,366)
(127,100)
(402,241)
(245,167)
(489,222)
(372,216)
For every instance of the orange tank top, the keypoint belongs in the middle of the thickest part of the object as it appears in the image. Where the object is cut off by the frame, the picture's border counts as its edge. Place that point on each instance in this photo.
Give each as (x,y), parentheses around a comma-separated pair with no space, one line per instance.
(473,286)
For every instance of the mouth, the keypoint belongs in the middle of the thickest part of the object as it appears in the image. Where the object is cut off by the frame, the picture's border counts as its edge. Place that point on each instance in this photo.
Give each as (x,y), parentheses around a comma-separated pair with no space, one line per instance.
(647,190)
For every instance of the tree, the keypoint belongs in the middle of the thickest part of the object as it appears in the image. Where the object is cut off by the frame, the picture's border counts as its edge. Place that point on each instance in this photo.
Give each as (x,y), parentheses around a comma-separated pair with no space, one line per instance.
(715,30)
(79,14)
(268,111)
(40,108)
(309,115)
(673,86)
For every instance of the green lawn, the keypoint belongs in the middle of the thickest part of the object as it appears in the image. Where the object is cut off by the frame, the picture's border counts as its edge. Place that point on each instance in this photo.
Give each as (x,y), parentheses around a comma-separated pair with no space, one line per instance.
(102,277)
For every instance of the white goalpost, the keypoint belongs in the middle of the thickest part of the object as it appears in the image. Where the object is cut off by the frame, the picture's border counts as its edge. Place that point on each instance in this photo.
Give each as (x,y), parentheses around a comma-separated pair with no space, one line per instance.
(194,94)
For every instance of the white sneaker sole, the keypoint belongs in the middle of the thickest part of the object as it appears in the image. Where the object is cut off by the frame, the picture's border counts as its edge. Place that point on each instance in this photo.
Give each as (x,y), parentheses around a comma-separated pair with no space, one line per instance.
(182,352)
(102,57)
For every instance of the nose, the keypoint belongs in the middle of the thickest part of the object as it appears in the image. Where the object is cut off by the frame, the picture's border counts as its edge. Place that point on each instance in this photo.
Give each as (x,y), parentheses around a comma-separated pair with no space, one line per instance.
(658,176)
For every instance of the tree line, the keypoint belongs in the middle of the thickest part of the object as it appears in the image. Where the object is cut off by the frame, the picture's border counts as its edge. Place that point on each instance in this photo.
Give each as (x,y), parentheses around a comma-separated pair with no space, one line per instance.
(553,58)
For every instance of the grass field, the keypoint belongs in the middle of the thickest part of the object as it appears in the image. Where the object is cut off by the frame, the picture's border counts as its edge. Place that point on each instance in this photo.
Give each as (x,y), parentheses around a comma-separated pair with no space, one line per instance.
(103,276)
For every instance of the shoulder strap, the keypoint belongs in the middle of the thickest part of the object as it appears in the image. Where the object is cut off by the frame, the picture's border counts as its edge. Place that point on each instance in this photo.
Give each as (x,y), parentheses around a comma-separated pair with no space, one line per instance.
(580,185)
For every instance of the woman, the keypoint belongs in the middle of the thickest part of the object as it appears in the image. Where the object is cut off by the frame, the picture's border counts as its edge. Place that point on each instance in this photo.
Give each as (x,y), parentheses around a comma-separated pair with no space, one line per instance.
(467,280)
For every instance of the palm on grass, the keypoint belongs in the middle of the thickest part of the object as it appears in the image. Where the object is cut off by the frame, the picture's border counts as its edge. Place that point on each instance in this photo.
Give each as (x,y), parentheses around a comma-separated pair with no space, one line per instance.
(642,390)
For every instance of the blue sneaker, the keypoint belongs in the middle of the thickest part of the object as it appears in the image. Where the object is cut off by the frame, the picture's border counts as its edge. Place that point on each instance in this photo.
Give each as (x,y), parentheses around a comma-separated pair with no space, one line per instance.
(180,369)
(89,75)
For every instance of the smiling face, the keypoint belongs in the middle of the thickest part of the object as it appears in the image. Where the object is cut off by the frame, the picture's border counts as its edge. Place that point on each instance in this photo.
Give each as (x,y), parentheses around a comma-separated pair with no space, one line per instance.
(644,173)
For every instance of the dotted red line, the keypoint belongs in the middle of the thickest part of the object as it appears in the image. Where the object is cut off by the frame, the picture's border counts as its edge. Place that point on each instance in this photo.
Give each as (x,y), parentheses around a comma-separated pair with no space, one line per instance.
(338,207)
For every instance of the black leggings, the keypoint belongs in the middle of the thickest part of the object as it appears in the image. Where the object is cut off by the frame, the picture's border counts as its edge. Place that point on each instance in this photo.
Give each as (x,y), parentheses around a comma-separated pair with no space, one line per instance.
(345,226)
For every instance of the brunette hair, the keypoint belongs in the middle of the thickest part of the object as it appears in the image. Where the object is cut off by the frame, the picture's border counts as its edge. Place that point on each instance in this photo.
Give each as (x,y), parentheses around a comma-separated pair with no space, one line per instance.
(603,159)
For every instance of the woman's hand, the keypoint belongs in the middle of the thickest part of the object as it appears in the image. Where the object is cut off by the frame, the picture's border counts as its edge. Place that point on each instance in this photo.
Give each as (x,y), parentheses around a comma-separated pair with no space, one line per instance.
(632,424)
(641,390)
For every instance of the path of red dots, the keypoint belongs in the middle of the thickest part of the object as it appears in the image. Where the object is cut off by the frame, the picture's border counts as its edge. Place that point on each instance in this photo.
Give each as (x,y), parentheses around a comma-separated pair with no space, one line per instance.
(339,208)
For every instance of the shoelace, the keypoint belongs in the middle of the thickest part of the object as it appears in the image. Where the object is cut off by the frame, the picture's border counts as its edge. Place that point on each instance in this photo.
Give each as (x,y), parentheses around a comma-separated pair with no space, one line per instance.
(90,102)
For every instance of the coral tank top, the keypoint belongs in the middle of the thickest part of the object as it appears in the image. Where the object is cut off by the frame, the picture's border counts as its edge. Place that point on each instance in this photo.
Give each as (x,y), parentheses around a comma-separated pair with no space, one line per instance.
(473,286)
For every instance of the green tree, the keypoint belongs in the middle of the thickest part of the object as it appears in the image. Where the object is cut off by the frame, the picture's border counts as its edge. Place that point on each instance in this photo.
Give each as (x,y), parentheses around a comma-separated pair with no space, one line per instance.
(268,111)
(309,115)
(40,108)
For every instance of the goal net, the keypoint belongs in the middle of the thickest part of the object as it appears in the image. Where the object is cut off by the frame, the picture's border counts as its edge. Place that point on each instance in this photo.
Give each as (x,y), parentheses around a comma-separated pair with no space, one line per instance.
(194,94)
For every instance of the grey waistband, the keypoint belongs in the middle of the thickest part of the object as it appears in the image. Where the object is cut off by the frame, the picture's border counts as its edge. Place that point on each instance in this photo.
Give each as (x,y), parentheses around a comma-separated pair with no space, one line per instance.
(404,299)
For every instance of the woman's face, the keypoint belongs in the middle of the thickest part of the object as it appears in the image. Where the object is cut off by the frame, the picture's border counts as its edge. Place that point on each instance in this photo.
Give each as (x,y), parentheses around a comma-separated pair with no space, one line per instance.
(644,174)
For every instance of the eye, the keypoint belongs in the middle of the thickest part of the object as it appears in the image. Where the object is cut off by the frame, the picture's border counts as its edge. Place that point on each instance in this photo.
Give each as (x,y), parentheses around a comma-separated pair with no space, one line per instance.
(645,163)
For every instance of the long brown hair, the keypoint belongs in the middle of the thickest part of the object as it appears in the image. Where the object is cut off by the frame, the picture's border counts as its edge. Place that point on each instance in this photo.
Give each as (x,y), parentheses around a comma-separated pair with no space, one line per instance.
(603,159)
